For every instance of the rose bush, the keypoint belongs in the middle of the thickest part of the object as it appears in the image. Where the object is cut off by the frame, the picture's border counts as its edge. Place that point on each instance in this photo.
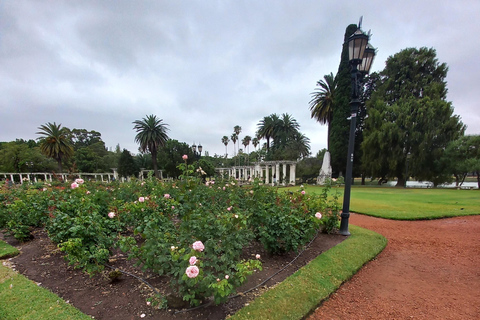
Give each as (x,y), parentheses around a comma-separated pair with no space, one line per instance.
(191,231)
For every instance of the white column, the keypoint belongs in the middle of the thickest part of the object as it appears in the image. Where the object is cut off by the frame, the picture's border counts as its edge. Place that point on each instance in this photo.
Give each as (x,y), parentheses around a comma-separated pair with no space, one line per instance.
(292,174)
(266,174)
(277,173)
(284,174)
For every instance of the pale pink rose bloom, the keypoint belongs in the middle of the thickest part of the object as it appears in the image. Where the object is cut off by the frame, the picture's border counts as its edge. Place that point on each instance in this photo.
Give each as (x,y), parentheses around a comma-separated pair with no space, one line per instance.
(88,192)
(236,216)
(218,280)
(229,208)
(111,215)
(303,191)
(192,260)
(166,195)
(227,276)
(198,245)
(74,185)
(173,207)
(251,191)
(79,181)
(184,157)
(148,303)
(223,188)
(257,256)
(172,248)
(142,315)
(192,271)
(141,199)
(45,189)
(318,215)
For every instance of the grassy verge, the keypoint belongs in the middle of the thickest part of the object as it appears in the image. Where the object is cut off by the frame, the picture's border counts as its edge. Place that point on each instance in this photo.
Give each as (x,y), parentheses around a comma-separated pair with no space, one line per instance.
(303,291)
(7,251)
(22,299)
(409,204)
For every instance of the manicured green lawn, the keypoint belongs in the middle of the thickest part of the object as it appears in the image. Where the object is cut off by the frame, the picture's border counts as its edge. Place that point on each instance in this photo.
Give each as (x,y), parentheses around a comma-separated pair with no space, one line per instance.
(22,299)
(409,204)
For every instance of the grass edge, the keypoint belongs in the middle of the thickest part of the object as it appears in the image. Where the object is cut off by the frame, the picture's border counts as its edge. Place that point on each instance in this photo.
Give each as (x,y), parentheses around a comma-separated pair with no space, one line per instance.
(301,293)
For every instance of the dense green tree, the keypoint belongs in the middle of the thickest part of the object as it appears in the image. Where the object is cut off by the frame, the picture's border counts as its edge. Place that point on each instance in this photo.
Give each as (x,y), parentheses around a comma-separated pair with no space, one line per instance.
(126,165)
(23,156)
(323,101)
(462,156)
(409,114)
(309,167)
(55,143)
(170,156)
(83,138)
(151,135)
(340,125)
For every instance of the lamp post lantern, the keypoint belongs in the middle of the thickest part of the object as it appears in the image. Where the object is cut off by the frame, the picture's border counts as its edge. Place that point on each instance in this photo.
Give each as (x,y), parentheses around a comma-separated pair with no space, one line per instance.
(360,54)
(194,149)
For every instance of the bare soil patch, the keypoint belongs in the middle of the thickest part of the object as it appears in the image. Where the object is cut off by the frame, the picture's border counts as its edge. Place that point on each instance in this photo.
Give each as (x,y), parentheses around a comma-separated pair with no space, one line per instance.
(429,270)
(125,299)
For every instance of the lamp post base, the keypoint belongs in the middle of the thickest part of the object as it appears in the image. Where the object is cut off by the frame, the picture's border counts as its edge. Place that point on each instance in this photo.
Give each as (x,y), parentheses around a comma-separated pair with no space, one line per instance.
(344,224)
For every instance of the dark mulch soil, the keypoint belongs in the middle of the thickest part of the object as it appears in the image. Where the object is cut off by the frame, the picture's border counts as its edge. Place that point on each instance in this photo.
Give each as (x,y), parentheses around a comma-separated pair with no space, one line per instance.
(125,298)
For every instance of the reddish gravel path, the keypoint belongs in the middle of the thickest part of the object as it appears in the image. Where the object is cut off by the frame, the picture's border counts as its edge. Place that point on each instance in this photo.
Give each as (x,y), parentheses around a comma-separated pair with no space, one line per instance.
(429,270)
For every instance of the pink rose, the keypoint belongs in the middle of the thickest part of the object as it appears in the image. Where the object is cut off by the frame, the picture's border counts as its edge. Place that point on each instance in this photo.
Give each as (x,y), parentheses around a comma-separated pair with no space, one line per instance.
(227,276)
(185,157)
(74,185)
(318,215)
(198,245)
(173,207)
(229,208)
(79,181)
(192,271)
(141,199)
(192,260)
(166,196)
(303,191)
(88,192)
(111,215)
(257,256)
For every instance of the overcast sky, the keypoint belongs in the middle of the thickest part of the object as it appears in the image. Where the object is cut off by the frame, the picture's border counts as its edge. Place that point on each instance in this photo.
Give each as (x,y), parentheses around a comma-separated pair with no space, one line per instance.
(206,66)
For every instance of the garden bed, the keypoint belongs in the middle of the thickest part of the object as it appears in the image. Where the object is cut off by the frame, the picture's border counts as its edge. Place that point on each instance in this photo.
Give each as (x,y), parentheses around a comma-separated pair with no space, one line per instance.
(126,298)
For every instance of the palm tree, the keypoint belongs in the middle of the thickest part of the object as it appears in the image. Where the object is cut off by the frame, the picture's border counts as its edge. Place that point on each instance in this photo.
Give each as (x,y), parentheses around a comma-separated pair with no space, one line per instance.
(323,101)
(54,142)
(234,138)
(225,141)
(255,142)
(286,129)
(151,134)
(266,128)
(246,142)
(237,129)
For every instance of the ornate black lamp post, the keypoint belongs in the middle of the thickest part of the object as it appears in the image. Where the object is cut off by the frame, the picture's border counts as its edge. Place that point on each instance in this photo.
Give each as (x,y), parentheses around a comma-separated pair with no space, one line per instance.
(194,149)
(360,54)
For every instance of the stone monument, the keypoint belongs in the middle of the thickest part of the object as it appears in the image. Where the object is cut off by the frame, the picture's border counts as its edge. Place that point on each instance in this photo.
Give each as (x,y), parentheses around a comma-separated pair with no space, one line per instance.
(326,170)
